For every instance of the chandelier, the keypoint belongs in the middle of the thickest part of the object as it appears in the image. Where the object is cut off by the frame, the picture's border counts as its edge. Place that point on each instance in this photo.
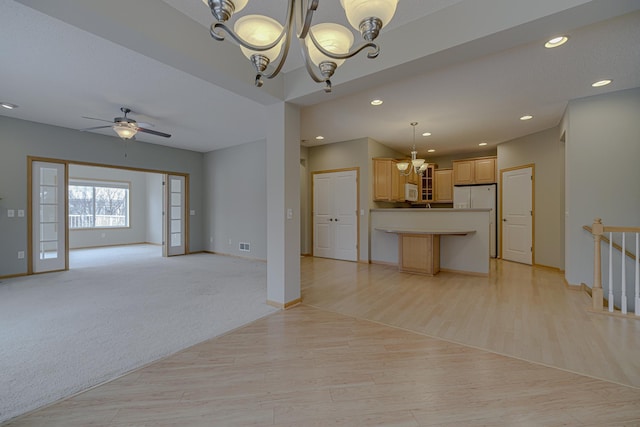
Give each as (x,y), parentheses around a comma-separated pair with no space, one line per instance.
(265,42)
(418,166)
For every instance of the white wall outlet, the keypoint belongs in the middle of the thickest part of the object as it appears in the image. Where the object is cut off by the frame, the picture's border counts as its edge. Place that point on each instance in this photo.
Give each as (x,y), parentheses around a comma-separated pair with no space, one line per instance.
(20,254)
(20,213)
(11,213)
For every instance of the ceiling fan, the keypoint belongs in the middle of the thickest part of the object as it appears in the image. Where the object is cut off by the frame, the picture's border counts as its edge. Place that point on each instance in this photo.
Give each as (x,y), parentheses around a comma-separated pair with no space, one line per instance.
(125,127)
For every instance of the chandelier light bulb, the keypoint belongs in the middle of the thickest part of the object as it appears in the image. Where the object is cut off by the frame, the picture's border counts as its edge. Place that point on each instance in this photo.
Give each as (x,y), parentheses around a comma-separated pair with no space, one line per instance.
(333,38)
(259,30)
(361,12)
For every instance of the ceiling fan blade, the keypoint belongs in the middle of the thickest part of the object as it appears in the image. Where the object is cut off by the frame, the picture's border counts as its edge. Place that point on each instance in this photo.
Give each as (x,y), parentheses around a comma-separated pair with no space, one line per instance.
(154,132)
(93,118)
(94,128)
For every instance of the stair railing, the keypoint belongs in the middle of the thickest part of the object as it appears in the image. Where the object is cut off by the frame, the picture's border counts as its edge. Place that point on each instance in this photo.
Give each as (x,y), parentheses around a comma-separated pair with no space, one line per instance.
(598,231)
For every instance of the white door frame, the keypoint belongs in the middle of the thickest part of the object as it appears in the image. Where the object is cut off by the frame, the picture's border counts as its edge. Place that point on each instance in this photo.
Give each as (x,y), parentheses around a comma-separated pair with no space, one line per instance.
(533,207)
(357,171)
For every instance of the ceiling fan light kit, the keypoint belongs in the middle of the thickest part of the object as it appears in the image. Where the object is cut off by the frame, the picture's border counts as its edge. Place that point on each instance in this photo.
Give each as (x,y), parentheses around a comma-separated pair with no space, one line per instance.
(126,127)
(264,41)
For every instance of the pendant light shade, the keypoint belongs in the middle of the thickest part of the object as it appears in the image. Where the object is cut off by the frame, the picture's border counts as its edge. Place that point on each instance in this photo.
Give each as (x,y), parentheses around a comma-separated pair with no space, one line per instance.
(260,31)
(332,37)
(358,11)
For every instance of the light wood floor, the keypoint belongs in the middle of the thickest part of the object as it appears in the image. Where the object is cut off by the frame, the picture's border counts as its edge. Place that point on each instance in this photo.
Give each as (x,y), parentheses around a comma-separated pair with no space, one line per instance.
(313,366)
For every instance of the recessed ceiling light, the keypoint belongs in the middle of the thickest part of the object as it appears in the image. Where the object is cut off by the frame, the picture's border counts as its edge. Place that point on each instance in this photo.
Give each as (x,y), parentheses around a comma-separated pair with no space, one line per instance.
(431,150)
(602,83)
(426,134)
(556,41)
(8,105)
(527,117)
(319,137)
(482,144)
(377,102)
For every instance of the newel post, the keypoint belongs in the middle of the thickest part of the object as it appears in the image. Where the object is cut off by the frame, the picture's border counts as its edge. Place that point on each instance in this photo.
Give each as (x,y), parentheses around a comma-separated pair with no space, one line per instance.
(596,293)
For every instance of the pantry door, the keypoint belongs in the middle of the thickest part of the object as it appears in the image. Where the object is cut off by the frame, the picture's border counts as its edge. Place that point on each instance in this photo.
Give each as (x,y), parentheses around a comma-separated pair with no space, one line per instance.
(517,214)
(335,219)
(48,214)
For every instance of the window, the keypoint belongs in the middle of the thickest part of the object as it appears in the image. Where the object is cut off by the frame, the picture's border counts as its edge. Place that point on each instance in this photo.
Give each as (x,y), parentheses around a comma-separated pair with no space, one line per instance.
(98,204)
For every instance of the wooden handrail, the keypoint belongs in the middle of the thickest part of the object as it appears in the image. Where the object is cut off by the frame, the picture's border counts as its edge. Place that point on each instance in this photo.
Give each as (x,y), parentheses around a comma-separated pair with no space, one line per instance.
(616,230)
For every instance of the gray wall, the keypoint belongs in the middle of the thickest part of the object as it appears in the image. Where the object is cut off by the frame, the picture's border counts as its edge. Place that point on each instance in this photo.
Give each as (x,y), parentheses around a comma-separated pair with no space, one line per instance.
(236,200)
(154,208)
(546,152)
(603,173)
(20,138)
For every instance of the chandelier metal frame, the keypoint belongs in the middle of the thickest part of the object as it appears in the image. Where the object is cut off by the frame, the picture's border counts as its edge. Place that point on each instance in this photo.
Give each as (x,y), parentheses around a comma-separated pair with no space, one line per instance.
(301,13)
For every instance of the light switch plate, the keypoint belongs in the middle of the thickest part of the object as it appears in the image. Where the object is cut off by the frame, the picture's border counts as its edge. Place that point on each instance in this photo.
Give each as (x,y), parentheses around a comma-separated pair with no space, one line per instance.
(192,212)
(20,213)
(289,213)
(11,213)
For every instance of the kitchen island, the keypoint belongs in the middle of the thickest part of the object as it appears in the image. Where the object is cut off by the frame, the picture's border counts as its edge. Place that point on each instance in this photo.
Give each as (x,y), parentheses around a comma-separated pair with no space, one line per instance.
(462,235)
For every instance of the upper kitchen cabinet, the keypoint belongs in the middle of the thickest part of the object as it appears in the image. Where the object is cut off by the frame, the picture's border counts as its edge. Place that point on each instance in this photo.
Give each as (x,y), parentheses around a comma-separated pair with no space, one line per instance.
(474,171)
(388,184)
(443,185)
(426,184)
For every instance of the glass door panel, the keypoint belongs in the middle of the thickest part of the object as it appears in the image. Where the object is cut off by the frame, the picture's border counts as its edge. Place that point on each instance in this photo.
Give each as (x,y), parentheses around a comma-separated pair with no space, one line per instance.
(175,217)
(49,221)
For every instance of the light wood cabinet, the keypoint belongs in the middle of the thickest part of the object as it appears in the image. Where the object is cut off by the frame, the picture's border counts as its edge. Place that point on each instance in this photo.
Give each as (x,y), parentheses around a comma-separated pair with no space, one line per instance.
(485,171)
(474,171)
(419,253)
(443,185)
(388,184)
(426,185)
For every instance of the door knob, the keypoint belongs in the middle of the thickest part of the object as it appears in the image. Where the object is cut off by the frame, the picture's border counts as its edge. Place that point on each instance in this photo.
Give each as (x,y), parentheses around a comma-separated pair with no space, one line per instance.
(504,219)
(330,219)
(337,220)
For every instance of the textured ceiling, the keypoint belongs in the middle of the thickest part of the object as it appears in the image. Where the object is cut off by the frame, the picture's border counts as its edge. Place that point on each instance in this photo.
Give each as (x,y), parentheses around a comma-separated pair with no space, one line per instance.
(464,79)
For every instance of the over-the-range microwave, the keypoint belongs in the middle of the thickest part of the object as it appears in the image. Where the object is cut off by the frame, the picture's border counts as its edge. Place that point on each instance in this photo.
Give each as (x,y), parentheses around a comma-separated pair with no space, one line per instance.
(411,192)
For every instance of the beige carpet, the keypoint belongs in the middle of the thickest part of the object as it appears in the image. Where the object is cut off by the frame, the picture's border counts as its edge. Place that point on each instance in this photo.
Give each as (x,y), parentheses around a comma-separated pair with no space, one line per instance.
(116,309)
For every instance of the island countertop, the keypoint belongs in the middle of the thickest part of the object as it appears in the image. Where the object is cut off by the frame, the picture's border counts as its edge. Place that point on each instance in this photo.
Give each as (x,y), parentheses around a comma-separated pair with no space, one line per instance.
(462,253)
(428,210)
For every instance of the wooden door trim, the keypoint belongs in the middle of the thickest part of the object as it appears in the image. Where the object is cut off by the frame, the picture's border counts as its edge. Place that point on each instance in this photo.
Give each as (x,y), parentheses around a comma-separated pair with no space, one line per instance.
(31,159)
(313,224)
(533,207)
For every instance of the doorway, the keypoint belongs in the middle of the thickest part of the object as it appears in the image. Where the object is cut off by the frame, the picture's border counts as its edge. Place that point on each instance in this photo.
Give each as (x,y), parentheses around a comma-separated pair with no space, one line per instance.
(75,205)
(517,207)
(335,219)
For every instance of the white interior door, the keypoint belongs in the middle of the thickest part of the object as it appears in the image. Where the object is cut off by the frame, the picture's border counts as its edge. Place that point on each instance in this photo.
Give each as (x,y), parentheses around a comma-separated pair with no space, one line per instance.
(49,220)
(175,215)
(335,221)
(517,215)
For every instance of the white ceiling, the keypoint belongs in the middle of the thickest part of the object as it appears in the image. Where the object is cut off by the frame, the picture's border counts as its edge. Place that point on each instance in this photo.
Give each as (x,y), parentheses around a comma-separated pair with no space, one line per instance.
(173,75)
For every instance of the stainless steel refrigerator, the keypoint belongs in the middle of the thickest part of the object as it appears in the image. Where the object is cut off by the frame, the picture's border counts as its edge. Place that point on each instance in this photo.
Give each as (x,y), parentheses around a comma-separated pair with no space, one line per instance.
(478,197)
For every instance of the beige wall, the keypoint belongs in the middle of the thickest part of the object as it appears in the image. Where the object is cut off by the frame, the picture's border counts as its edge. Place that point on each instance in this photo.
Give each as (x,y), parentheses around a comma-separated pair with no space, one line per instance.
(546,152)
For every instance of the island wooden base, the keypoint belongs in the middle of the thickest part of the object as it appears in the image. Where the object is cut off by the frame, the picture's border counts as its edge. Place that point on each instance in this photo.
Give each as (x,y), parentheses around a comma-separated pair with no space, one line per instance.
(419,253)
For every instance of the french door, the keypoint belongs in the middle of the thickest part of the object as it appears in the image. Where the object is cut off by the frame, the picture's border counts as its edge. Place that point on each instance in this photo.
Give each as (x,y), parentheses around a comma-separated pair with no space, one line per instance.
(517,215)
(175,215)
(335,220)
(48,216)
